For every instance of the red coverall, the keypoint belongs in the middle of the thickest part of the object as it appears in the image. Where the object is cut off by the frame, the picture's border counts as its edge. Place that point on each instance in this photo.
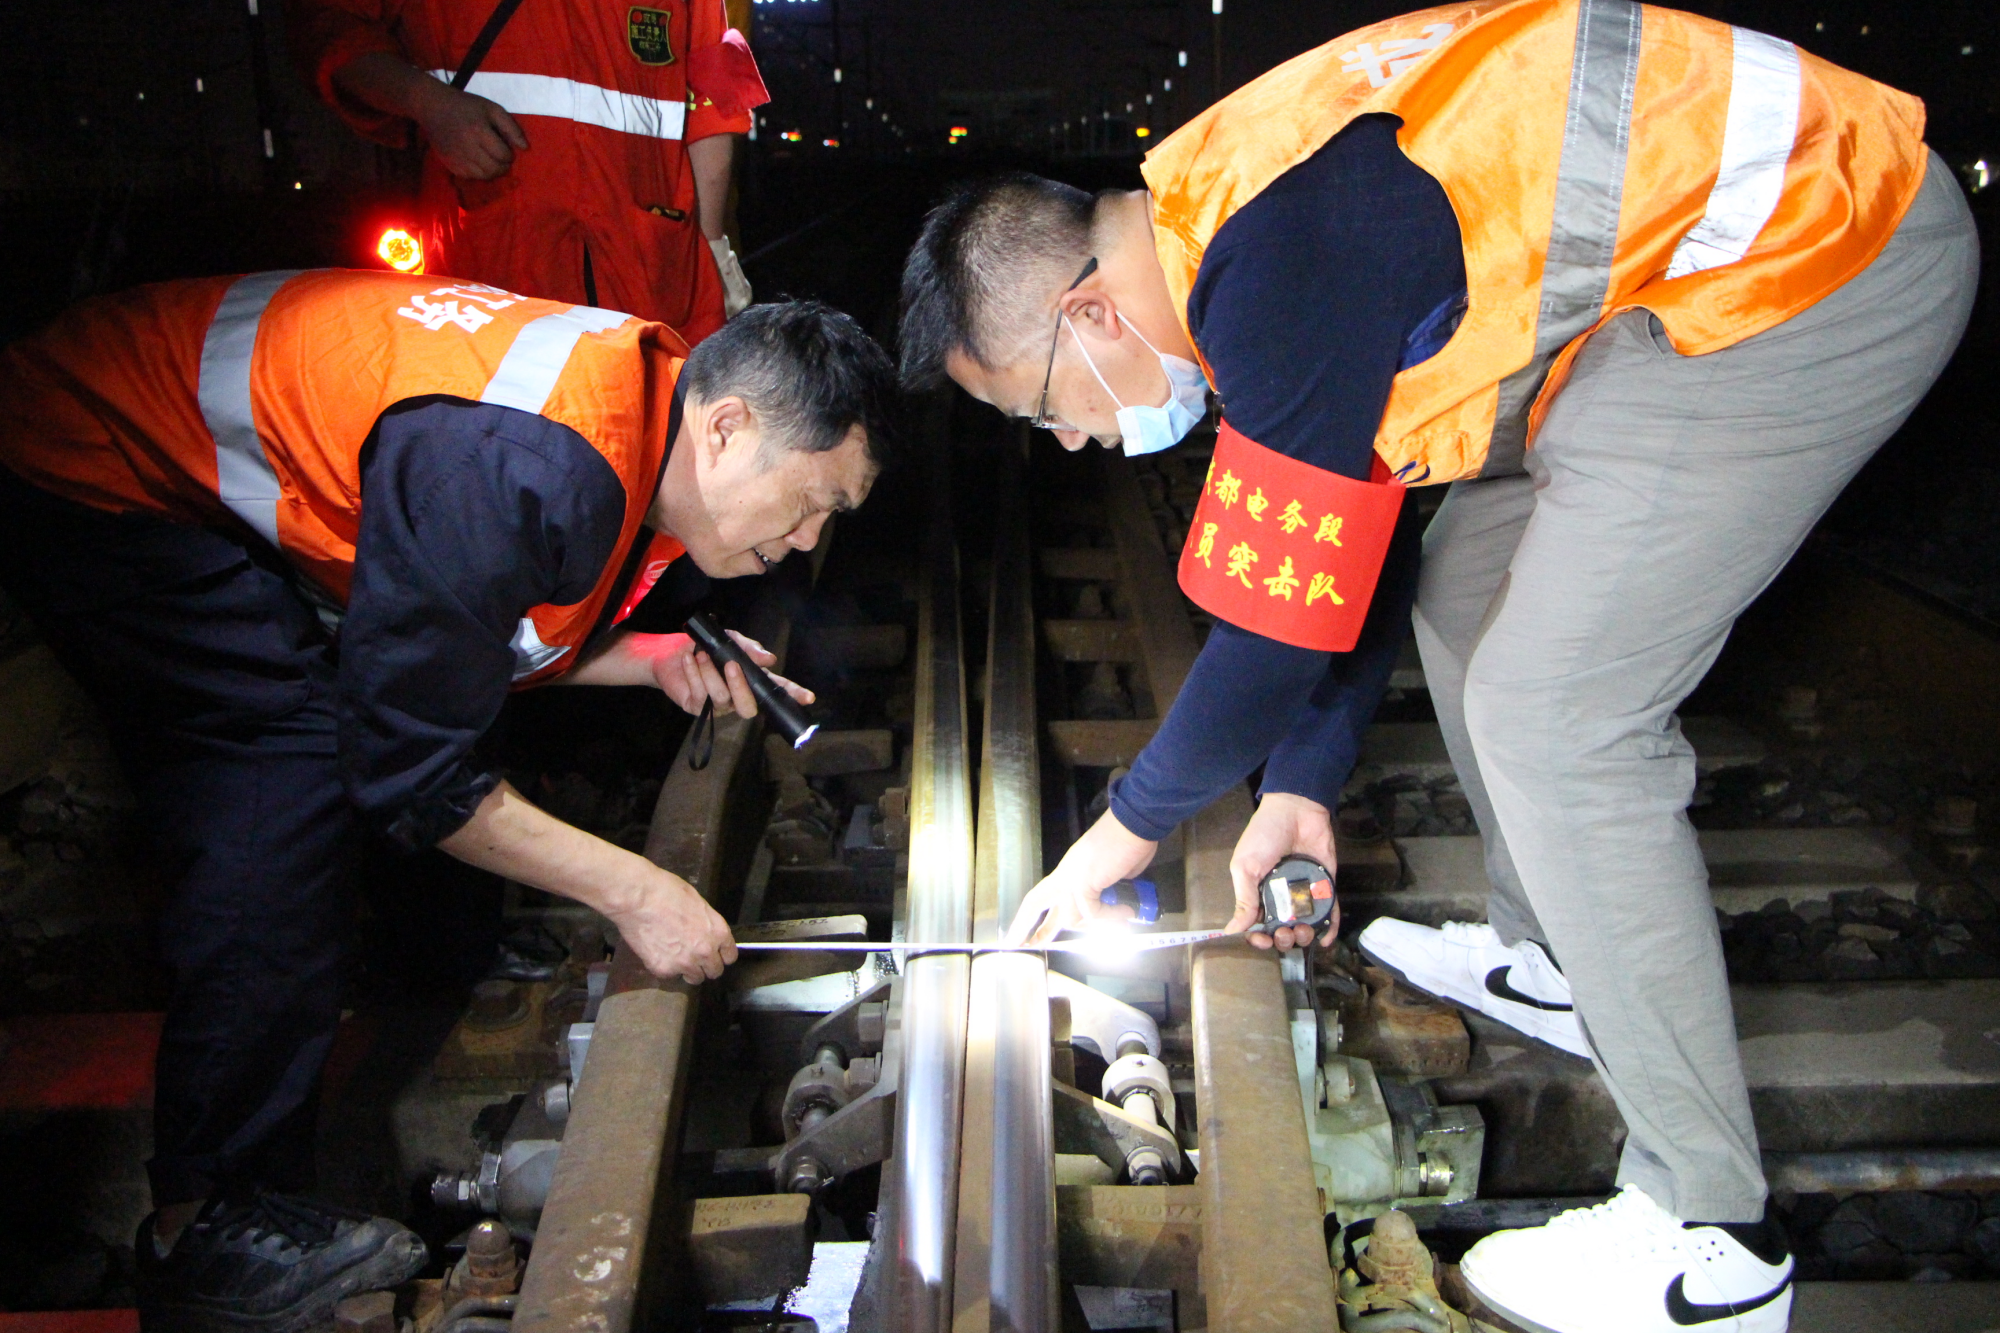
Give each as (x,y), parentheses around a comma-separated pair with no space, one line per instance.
(609,95)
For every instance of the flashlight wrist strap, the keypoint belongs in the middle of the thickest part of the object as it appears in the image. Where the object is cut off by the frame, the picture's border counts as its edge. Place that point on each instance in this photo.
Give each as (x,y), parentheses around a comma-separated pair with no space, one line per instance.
(701,743)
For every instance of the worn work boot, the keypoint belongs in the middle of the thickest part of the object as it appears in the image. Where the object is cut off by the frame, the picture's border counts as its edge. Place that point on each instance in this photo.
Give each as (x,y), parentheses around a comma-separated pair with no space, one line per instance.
(1468,965)
(273,1264)
(1630,1266)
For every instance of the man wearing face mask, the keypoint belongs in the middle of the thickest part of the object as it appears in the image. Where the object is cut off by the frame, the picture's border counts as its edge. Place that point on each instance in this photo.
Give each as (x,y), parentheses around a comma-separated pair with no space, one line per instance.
(1303,354)
(1647,290)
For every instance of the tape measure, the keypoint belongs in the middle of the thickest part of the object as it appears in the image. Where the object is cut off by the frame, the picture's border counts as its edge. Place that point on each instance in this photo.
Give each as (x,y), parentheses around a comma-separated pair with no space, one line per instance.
(1297,892)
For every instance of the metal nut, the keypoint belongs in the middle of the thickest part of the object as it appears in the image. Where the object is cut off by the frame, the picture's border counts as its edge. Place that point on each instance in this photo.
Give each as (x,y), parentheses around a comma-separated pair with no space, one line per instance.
(373,1312)
(808,1177)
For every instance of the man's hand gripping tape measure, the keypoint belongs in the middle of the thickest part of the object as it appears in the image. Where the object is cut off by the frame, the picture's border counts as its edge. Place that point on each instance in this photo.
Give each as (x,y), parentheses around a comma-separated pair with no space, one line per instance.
(1297,892)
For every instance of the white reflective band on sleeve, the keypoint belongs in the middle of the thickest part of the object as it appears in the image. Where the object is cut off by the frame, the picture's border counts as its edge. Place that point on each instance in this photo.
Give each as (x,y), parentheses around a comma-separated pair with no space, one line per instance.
(541,349)
(244,478)
(586,103)
(530,653)
(1756,144)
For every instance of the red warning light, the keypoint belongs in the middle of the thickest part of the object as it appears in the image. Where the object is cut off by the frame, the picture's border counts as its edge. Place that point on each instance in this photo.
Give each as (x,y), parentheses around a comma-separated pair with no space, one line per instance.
(401,251)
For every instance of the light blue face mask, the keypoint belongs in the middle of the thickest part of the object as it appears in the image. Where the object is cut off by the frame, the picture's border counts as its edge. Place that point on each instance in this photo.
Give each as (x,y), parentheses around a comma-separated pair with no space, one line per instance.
(1148,430)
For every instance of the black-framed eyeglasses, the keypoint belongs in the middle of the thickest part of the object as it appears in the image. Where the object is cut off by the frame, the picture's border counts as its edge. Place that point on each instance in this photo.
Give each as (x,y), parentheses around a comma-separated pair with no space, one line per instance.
(1042,420)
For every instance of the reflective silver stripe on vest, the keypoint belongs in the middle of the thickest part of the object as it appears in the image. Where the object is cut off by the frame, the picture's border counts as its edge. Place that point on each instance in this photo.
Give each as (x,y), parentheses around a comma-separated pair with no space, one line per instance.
(535,361)
(584,103)
(524,380)
(530,653)
(1757,140)
(244,477)
(1590,185)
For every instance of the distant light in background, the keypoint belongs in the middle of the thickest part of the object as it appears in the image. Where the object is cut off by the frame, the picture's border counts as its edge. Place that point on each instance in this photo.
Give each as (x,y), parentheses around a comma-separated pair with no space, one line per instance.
(836,74)
(1143,132)
(1965,50)
(298,185)
(401,251)
(270,149)
(198,88)
(957,132)
(142,97)
(1980,175)
(1128,106)
(1864,30)
(1215,7)
(791,136)
(1149,99)
(829,143)
(1820,26)
(1183,60)
(869,103)
(885,118)
(1167,85)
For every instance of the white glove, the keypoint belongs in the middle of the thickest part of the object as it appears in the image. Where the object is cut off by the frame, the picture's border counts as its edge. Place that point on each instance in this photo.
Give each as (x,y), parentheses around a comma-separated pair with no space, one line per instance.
(736,295)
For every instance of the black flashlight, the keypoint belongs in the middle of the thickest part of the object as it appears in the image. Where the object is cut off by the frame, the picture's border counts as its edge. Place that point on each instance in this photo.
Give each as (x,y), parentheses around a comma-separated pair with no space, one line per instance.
(778,707)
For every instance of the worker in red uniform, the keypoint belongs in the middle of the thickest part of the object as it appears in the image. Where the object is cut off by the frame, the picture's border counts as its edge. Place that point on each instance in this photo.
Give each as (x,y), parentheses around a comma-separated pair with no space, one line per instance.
(580,153)
(299,534)
(1646,290)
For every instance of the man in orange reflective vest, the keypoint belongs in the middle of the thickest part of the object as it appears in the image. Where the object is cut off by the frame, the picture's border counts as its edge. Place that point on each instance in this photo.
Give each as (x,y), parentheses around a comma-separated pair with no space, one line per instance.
(1646,290)
(299,534)
(582,153)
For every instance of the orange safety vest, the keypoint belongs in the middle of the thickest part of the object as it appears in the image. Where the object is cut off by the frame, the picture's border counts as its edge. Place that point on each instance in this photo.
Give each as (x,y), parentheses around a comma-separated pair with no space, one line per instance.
(1600,155)
(1722,179)
(249,399)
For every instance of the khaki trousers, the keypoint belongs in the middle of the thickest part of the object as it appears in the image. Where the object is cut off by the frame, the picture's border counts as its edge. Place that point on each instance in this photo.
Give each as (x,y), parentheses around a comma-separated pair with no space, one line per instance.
(1565,612)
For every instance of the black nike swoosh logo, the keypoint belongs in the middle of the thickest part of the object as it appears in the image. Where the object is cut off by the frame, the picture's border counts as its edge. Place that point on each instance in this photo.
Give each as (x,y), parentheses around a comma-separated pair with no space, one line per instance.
(1684,1311)
(1496,984)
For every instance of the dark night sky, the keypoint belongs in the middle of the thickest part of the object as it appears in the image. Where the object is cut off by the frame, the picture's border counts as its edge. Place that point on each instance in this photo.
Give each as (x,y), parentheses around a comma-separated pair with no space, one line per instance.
(131,131)
(72,114)
(1093,55)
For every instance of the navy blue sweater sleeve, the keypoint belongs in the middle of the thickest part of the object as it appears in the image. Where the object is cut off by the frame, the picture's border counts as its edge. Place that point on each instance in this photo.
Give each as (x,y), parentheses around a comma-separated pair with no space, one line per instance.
(471,514)
(1311,297)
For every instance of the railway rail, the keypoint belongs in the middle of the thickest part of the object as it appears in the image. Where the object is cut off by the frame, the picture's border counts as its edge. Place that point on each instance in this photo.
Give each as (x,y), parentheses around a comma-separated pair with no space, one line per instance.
(1164,1140)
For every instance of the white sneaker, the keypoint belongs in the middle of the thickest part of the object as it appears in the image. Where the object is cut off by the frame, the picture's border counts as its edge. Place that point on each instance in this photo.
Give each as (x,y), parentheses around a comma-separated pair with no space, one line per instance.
(1629,1266)
(1468,965)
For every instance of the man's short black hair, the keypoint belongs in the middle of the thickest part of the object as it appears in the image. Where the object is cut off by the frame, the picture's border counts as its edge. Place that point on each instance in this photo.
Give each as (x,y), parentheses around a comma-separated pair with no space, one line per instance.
(982,275)
(810,373)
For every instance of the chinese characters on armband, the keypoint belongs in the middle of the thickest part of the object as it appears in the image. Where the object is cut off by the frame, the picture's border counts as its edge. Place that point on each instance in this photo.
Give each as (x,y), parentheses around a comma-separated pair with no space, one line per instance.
(1285,549)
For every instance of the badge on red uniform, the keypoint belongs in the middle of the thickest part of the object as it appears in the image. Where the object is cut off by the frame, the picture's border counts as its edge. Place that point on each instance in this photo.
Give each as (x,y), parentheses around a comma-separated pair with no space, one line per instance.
(649,32)
(1285,549)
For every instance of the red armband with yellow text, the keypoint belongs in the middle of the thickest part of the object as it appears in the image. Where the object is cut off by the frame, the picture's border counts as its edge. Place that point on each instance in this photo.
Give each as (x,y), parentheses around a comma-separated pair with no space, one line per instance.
(1287,550)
